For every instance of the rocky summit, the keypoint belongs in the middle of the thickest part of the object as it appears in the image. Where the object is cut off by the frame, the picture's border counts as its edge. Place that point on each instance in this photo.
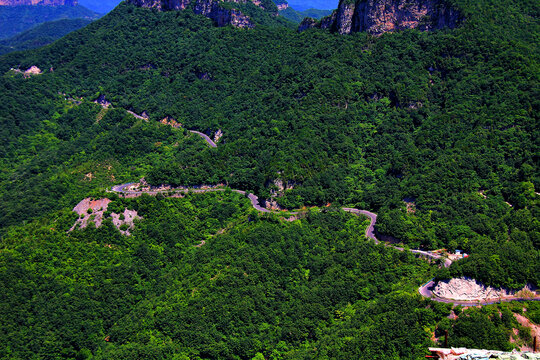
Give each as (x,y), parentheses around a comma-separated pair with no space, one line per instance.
(38,2)
(380,16)
(212,9)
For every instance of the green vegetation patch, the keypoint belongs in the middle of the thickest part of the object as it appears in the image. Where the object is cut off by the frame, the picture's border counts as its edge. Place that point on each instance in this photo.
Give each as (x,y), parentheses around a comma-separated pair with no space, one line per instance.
(257,285)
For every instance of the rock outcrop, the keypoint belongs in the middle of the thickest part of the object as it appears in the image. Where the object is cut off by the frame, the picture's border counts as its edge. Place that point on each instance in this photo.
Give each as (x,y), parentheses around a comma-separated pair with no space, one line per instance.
(379,16)
(212,9)
(282,5)
(93,211)
(169,120)
(32,71)
(38,2)
(466,290)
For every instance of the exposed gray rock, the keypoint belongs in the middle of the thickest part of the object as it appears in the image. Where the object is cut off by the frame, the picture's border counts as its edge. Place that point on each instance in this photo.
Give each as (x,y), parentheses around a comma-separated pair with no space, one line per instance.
(210,8)
(379,16)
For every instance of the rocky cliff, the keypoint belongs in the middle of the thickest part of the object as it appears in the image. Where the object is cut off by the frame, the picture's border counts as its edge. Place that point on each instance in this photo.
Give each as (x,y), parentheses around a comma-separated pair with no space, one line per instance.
(38,2)
(212,9)
(380,16)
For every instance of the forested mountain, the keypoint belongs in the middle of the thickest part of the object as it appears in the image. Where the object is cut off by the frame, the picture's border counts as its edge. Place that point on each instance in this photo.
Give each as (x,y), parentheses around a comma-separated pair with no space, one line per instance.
(436,131)
(41,35)
(16,19)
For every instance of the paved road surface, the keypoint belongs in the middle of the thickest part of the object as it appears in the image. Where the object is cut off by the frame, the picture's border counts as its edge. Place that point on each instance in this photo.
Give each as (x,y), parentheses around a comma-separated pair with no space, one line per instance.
(205,137)
(370,231)
(252,197)
(137,116)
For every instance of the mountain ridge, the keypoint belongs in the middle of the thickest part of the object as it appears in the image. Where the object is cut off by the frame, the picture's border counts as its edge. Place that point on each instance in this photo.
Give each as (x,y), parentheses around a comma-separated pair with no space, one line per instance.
(221,12)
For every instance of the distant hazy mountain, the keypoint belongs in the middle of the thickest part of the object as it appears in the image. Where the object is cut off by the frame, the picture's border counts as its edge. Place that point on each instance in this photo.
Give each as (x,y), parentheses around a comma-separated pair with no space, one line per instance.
(302,5)
(298,16)
(16,19)
(104,6)
(100,6)
(41,35)
(38,2)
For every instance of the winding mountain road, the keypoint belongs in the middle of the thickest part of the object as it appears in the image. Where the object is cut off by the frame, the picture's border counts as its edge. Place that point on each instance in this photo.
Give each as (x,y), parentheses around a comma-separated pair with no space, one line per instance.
(370,230)
(204,136)
(137,116)
(424,290)
(254,199)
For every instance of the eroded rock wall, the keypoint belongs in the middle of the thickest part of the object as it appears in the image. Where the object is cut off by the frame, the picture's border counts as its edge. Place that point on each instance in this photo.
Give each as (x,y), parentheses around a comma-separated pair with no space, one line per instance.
(379,16)
(209,8)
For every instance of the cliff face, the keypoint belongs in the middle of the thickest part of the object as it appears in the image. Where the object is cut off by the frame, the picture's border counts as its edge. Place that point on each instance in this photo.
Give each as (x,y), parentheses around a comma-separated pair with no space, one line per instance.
(38,2)
(380,16)
(209,8)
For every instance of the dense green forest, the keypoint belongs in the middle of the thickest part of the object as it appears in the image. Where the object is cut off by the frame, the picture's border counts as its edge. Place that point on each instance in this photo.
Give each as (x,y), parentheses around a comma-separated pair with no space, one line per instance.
(435,118)
(259,288)
(16,19)
(437,133)
(41,35)
(311,288)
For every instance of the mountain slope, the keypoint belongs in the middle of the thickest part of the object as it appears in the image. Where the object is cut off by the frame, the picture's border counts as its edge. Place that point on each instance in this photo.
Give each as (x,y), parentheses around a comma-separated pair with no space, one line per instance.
(436,132)
(238,13)
(394,121)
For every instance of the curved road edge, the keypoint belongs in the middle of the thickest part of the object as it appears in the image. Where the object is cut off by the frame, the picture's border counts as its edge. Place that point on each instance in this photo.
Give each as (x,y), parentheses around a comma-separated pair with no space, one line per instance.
(370,230)
(254,199)
(205,137)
